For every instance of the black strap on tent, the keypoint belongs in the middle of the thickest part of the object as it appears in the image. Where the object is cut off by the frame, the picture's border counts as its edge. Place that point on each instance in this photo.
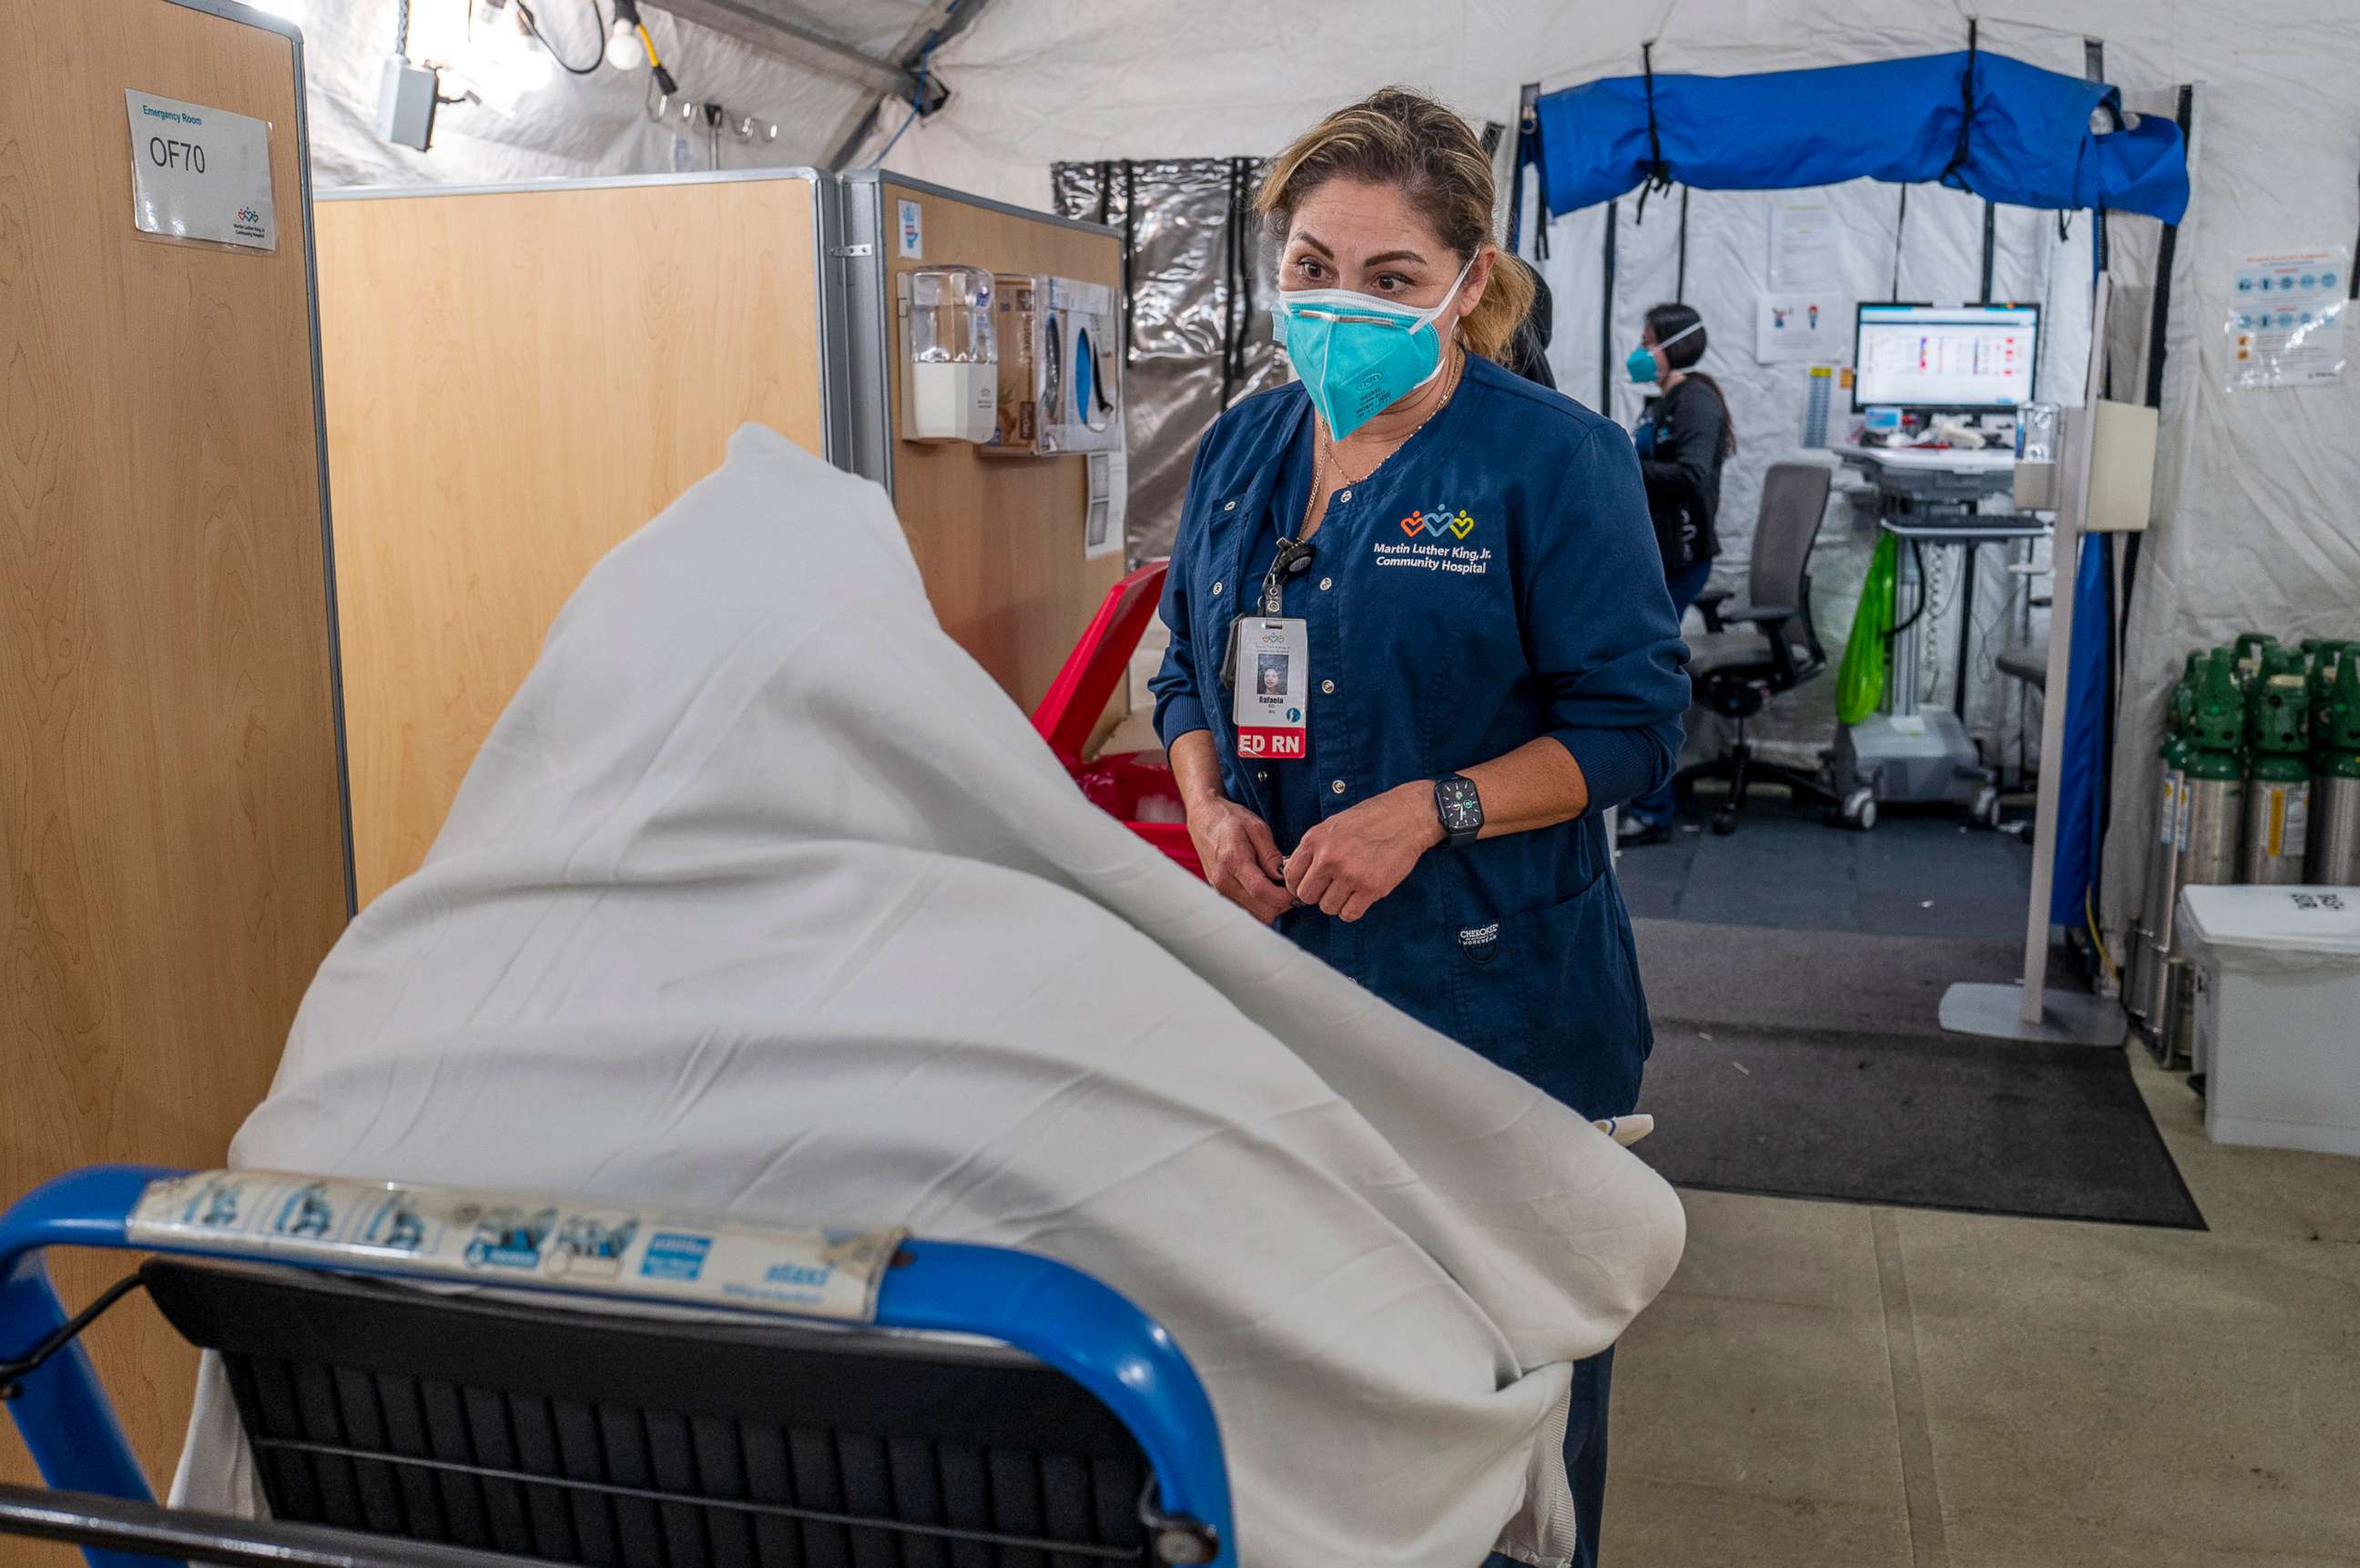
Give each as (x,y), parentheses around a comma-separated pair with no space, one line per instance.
(1130,243)
(1900,221)
(1248,170)
(1528,124)
(1233,220)
(2093,66)
(1659,173)
(1966,115)
(1106,188)
(1991,246)
(1606,315)
(2165,248)
(1680,284)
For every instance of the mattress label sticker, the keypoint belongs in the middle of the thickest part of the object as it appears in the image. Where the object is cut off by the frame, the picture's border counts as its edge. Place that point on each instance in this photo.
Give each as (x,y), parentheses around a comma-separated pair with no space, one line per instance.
(458,1234)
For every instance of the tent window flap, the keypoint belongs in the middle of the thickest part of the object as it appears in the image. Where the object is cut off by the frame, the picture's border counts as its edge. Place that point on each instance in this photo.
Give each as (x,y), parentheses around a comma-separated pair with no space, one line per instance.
(2034,141)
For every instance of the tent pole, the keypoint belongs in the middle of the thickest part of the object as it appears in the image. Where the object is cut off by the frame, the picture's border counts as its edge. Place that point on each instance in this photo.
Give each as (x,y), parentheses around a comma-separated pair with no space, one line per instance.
(2029,1010)
(1606,318)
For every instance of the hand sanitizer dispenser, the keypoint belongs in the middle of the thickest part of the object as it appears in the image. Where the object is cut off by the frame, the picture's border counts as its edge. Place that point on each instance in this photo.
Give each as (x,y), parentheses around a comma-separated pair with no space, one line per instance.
(950,377)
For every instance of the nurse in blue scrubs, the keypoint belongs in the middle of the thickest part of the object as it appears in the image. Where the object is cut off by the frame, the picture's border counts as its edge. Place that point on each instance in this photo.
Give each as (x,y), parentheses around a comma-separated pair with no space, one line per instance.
(1448,576)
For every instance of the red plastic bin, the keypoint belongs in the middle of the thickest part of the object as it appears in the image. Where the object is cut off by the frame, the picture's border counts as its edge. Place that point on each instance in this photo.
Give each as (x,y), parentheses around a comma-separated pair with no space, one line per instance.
(1135,786)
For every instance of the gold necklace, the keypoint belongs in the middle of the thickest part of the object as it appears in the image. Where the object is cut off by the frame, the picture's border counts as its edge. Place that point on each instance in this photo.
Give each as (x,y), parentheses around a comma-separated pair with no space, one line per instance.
(1319,469)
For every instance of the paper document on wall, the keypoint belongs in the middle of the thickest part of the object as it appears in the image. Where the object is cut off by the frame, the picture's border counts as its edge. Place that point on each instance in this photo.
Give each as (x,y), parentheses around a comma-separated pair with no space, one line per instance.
(2285,322)
(1805,246)
(1109,493)
(1801,328)
(200,173)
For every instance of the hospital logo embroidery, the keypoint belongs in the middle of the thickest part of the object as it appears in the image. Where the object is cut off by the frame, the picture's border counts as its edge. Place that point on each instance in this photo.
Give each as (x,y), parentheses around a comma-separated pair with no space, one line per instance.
(1438,520)
(1437,525)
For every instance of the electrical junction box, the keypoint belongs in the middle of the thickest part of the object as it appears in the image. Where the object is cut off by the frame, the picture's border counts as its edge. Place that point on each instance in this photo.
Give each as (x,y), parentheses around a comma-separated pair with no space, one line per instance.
(2122,467)
(405,103)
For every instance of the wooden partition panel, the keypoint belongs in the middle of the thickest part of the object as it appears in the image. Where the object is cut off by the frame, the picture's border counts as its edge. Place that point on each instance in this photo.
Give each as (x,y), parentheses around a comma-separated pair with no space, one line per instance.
(998,539)
(172,816)
(516,381)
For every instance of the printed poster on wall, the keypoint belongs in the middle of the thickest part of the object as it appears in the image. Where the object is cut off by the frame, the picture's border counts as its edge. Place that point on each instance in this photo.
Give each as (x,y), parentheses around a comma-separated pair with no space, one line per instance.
(1805,246)
(1802,328)
(2285,322)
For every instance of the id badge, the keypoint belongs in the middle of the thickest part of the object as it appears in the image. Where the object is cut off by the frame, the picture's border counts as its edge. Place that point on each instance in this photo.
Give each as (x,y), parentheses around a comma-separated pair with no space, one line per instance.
(1273,682)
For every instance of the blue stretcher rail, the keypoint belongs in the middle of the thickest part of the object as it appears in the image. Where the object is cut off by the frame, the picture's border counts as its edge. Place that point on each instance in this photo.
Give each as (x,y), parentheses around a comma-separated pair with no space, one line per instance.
(1058,1315)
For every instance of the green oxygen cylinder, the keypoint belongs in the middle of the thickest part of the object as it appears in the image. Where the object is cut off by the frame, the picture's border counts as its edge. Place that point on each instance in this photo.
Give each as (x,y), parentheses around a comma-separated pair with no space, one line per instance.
(2250,647)
(2325,653)
(2211,823)
(2277,832)
(2336,781)
(2143,993)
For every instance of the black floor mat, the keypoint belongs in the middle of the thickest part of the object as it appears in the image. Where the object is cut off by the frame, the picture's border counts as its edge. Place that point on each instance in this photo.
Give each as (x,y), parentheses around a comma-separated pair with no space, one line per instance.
(2055,1132)
(1809,1064)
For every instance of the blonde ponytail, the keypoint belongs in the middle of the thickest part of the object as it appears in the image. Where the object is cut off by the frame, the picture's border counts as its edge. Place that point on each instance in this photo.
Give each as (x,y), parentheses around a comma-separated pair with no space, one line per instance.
(1398,138)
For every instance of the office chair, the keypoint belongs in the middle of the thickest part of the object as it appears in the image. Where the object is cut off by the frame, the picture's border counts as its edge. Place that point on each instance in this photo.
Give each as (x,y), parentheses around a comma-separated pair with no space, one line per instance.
(1753,651)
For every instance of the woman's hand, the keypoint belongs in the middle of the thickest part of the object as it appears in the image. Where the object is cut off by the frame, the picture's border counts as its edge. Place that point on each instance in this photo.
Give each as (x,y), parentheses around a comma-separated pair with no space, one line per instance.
(1356,857)
(1241,860)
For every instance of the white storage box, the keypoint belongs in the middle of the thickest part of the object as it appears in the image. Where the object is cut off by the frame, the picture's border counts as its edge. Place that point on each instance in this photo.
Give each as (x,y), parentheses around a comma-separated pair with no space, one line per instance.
(2277,1013)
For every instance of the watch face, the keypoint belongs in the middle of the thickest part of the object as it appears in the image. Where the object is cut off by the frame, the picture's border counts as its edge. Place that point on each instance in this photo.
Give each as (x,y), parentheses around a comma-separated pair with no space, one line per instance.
(1462,808)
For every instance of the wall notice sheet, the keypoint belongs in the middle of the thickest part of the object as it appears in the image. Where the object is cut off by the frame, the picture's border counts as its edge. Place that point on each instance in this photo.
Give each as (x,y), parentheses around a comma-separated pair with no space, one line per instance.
(1110,495)
(1803,327)
(1805,246)
(2285,322)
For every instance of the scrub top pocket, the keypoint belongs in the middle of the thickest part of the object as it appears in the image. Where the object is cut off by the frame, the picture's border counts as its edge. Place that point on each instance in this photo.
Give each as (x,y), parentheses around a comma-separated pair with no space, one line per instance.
(1547,993)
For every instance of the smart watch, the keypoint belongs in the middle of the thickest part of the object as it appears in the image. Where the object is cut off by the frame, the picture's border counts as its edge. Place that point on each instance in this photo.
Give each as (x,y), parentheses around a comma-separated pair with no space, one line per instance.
(1461,808)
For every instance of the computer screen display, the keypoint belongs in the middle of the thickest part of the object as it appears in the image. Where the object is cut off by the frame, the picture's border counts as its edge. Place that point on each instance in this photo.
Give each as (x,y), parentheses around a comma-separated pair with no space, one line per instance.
(1965,357)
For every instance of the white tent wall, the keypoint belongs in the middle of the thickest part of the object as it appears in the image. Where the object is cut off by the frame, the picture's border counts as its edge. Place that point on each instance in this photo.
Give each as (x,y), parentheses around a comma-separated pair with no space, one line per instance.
(2256,492)
(536,121)
(1940,258)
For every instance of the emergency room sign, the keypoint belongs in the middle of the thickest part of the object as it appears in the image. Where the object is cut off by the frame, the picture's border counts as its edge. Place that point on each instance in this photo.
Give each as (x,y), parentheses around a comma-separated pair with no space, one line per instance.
(200,173)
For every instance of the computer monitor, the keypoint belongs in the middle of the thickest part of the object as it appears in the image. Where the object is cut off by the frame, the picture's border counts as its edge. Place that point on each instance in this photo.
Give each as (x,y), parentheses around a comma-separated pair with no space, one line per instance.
(1945,358)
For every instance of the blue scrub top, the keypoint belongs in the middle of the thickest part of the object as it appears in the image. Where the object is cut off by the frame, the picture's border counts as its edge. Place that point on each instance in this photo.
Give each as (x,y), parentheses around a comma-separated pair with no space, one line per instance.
(1496,580)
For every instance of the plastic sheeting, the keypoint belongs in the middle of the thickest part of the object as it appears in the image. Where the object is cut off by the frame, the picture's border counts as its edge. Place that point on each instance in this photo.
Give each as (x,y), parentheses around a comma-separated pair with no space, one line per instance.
(1199,276)
(2034,138)
(536,121)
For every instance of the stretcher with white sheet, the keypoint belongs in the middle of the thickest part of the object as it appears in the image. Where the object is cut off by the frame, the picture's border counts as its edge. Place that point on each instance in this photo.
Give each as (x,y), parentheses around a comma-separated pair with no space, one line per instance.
(841,1398)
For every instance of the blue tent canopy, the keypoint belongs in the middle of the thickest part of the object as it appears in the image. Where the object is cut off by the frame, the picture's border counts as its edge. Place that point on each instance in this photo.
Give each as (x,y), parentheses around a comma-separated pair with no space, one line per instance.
(2030,142)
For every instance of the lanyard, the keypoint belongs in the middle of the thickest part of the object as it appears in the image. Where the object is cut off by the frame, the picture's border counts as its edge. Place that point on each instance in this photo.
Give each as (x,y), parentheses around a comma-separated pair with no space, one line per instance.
(1292,560)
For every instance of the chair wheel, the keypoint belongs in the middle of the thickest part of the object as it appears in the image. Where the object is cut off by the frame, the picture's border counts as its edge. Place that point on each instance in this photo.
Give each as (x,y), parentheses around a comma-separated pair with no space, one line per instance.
(1725,822)
(1986,811)
(1860,809)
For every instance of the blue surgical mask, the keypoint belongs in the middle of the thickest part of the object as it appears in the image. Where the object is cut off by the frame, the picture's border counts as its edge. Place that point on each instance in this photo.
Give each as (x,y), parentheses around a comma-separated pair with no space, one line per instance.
(1359,354)
(1641,362)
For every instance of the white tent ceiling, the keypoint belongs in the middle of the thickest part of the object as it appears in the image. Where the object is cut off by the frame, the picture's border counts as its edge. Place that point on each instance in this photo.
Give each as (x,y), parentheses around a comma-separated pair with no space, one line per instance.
(812,69)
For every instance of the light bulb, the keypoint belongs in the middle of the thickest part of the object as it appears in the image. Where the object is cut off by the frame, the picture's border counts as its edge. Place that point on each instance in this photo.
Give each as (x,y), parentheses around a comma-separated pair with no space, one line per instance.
(623,50)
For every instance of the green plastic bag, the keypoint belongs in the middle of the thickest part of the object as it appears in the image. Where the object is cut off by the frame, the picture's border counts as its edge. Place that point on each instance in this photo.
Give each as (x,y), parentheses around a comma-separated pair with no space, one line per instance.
(1860,683)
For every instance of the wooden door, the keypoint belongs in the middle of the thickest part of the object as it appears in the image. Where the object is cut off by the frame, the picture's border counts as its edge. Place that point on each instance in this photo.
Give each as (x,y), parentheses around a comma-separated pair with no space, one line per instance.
(172,851)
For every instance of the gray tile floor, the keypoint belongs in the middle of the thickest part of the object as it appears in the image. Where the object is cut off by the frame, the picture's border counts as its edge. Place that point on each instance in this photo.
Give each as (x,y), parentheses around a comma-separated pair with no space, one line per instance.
(1827,1383)
(1918,874)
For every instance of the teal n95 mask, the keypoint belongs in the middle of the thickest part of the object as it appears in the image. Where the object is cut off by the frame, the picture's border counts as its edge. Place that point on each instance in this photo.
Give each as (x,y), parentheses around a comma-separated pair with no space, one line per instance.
(1359,354)
(1641,362)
